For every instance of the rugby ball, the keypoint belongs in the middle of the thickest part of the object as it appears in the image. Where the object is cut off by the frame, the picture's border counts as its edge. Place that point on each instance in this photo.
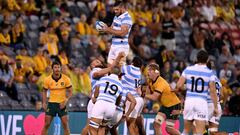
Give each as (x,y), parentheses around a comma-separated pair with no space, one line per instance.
(99,25)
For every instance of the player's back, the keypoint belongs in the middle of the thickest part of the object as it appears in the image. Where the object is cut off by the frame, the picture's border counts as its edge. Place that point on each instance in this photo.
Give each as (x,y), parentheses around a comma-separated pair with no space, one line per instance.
(131,79)
(110,88)
(197,78)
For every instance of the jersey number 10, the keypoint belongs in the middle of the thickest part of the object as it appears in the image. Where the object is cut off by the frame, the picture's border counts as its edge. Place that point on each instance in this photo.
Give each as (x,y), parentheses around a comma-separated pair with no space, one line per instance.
(195,83)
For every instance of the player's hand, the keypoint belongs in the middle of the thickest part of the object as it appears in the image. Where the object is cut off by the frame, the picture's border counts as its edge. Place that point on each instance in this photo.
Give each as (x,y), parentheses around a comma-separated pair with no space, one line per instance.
(104,28)
(94,100)
(121,54)
(63,104)
(176,112)
(44,106)
(139,91)
(215,112)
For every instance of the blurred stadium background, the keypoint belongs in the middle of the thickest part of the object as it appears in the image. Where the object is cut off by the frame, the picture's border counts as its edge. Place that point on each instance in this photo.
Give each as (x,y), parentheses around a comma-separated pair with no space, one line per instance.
(35,32)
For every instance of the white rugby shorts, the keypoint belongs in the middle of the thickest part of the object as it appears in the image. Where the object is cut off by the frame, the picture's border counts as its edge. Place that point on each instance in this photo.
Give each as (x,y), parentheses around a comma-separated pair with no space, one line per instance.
(138,108)
(195,109)
(89,108)
(211,117)
(115,50)
(101,112)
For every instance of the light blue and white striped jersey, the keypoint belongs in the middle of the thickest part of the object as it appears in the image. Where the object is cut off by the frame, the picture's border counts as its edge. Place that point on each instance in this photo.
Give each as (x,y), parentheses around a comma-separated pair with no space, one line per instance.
(118,21)
(131,79)
(110,88)
(94,81)
(218,86)
(198,78)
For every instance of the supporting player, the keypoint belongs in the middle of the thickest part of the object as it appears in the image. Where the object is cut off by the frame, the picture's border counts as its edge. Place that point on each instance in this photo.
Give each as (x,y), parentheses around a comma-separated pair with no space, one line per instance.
(107,91)
(131,80)
(213,121)
(120,115)
(97,72)
(199,79)
(162,92)
(59,85)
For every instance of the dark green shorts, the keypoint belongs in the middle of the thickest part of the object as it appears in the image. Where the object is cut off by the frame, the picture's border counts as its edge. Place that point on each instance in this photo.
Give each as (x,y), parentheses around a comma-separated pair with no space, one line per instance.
(168,111)
(54,108)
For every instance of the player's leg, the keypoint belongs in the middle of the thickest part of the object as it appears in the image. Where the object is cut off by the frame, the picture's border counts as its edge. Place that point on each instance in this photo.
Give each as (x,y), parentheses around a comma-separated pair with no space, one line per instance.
(187,127)
(49,115)
(89,111)
(113,130)
(200,115)
(131,124)
(131,120)
(170,127)
(213,120)
(111,56)
(94,125)
(86,128)
(65,124)
(113,53)
(116,121)
(159,119)
(102,130)
(63,114)
(188,115)
(48,120)
(171,119)
(140,125)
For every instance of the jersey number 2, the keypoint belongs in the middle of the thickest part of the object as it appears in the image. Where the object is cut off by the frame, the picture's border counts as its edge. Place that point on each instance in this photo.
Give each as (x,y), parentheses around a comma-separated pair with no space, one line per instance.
(195,83)
(113,89)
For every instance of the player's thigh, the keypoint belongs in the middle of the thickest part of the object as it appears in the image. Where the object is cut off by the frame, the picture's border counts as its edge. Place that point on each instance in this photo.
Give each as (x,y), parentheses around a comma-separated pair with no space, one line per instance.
(109,111)
(134,112)
(48,120)
(200,110)
(115,50)
(214,120)
(98,110)
(168,111)
(116,118)
(65,120)
(188,112)
(89,108)
(52,109)
(139,105)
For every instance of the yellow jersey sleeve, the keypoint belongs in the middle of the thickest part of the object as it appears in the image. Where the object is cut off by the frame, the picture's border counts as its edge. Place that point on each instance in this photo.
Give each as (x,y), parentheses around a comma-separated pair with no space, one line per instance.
(68,82)
(159,86)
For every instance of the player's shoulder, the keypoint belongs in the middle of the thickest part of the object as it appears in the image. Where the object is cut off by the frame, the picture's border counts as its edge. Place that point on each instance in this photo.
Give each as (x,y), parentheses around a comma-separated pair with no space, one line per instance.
(65,77)
(48,78)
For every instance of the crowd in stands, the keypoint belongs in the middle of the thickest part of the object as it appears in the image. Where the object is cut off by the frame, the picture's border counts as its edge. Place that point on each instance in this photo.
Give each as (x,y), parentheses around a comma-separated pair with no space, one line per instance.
(33,33)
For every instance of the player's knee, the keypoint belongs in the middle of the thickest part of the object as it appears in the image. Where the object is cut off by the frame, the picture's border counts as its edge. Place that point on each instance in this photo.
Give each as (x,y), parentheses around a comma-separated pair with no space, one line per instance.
(93,124)
(65,124)
(47,124)
(169,126)
(213,130)
(159,119)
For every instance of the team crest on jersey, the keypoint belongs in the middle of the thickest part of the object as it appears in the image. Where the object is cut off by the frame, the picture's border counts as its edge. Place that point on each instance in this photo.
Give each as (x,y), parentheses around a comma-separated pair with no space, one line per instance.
(62,83)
